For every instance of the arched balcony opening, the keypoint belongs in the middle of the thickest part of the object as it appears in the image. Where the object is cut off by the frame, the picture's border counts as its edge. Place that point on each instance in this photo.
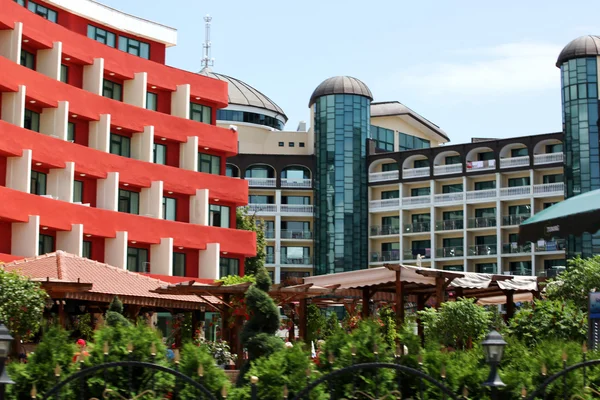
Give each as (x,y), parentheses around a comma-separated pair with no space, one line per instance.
(481,159)
(514,155)
(447,162)
(548,152)
(232,171)
(385,169)
(260,175)
(296,176)
(416,166)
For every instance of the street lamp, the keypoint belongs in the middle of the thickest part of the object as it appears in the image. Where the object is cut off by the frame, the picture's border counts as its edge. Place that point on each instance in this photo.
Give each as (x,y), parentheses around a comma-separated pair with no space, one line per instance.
(5,341)
(493,346)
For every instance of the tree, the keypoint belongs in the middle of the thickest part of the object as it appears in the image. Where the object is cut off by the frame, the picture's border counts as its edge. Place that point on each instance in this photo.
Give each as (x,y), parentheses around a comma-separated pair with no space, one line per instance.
(581,277)
(114,315)
(315,322)
(249,222)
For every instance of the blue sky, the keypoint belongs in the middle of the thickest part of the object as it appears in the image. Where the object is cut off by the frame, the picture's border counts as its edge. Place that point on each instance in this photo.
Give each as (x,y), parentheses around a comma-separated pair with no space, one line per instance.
(475,68)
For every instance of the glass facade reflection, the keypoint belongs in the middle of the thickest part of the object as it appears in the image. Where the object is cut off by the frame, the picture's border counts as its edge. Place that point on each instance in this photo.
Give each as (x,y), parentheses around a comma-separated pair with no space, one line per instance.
(250,117)
(341,130)
(580,119)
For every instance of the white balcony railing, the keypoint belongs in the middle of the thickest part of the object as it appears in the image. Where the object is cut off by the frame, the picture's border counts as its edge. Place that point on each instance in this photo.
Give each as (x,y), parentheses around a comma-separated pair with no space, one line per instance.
(547,158)
(262,208)
(296,208)
(416,201)
(261,182)
(515,191)
(513,162)
(376,205)
(295,183)
(383,176)
(481,195)
(448,197)
(549,189)
(415,172)
(447,169)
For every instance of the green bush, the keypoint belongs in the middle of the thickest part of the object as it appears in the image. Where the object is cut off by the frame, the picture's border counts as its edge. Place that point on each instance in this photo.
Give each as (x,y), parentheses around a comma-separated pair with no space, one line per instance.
(114,315)
(213,378)
(581,277)
(315,322)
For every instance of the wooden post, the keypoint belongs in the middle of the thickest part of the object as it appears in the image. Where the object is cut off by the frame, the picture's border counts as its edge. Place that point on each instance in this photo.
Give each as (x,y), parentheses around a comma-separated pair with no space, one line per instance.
(194,323)
(365,303)
(292,327)
(459,292)
(510,304)
(62,316)
(439,291)
(420,307)
(399,301)
(239,348)
(225,314)
(302,316)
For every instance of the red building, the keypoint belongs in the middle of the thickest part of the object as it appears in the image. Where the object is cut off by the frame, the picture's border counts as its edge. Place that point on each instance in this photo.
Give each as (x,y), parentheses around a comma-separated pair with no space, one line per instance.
(108,153)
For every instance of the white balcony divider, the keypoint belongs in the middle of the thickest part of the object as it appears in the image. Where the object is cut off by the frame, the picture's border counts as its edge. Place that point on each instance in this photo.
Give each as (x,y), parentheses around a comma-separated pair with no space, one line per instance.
(514,162)
(547,158)
(383,204)
(262,208)
(481,194)
(547,189)
(415,172)
(416,201)
(261,182)
(447,169)
(515,191)
(295,183)
(448,197)
(383,176)
(296,208)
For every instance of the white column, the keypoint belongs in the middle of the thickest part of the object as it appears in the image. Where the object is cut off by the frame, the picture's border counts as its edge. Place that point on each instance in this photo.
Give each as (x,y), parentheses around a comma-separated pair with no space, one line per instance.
(25,237)
(151,200)
(142,145)
(99,133)
(13,106)
(48,61)
(188,154)
(466,242)
(432,220)
(71,241)
(60,182)
(180,101)
(10,42)
(199,211)
(93,76)
(277,249)
(401,223)
(134,90)
(55,121)
(208,261)
(18,172)
(115,250)
(277,274)
(107,192)
(498,224)
(161,257)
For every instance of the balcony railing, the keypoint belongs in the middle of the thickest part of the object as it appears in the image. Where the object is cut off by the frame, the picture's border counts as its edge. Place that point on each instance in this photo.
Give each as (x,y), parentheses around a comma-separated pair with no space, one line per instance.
(269,234)
(552,272)
(549,158)
(415,172)
(515,191)
(483,250)
(513,162)
(481,195)
(296,208)
(270,208)
(261,182)
(296,234)
(552,245)
(381,256)
(448,252)
(549,189)
(383,176)
(296,260)
(375,205)
(295,183)
(377,230)
(482,222)
(447,169)
(448,197)
(513,248)
(519,272)
(449,225)
(417,227)
(416,200)
(508,220)
(412,254)
(270,259)
(480,165)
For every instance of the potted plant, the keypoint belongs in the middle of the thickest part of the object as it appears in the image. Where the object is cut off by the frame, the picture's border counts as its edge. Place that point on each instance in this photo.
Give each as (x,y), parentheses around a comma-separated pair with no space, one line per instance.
(219,349)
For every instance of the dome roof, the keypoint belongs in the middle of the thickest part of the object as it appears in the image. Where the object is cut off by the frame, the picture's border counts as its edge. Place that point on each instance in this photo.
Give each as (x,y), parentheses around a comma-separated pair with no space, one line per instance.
(242,94)
(583,46)
(340,85)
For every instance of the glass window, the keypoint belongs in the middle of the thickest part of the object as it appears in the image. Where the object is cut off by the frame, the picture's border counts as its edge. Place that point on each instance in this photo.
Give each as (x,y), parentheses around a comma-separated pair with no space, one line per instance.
(295,255)
(390,246)
(514,182)
(518,152)
(281,144)
(64,73)
(45,244)
(31,120)
(486,185)
(38,183)
(200,113)
(420,218)
(423,191)
(261,199)
(129,202)
(453,160)
(291,144)
(549,204)
(420,247)
(160,154)
(270,256)
(135,47)
(421,163)
(301,144)
(452,242)
(554,148)
(169,208)
(42,11)
(486,240)
(390,194)
(485,212)
(219,216)
(453,268)
(295,173)
(389,167)
(487,155)
(486,268)
(137,260)
(454,188)
(305,200)
(112,90)
(151,101)
(229,266)
(231,171)
(260,171)
(520,267)
(393,222)
(120,145)
(209,164)
(20,2)
(552,264)
(86,249)
(448,215)
(100,35)
(78,191)
(409,142)
(523,209)
(71,132)
(249,117)
(178,264)
(556,178)
(384,138)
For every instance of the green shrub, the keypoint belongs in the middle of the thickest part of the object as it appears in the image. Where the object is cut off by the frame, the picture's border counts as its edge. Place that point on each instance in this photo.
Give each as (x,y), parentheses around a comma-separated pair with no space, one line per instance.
(236,279)
(114,315)
(575,283)
(315,322)
(213,378)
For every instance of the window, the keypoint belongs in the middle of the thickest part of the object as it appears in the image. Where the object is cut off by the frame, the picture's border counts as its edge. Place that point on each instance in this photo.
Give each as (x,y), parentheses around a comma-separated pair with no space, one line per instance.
(295,173)
(421,218)
(486,240)
(270,256)
(209,164)
(485,185)
(485,156)
(38,183)
(42,11)
(229,266)
(268,227)
(31,121)
(86,249)
(519,210)
(160,154)
(390,247)
(295,255)
(71,132)
(485,212)
(389,167)
(384,138)
(281,144)
(232,171)
(291,144)
(120,145)
(100,35)
(522,152)
(422,247)
(260,171)
(200,113)
(421,163)
(453,242)
(514,182)
(129,202)
(554,148)
(219,216)
(453,160)
(64,73)
(390,222)
(305,200)
(457,267)
(423,191)
(448,215)
(135,47)
(301,144)
(137,260)
(549,204)
(520,267)
(552,264)
(556,178)
(486,268)
(169,208)
(20,2)
(390,194)
(151,101)
(455,188)
(249,117)
(27,59)
(178,264)
(45,244)
(409,142)
(261,199)
(112,90)
(78,192)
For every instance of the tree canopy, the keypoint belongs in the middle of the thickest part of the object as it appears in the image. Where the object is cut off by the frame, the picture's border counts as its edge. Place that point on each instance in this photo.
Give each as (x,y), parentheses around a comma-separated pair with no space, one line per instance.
(249,222)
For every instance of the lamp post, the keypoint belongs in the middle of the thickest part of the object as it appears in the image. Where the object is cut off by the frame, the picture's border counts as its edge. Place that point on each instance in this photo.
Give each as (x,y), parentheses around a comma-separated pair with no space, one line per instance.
(493,346)
(5,341)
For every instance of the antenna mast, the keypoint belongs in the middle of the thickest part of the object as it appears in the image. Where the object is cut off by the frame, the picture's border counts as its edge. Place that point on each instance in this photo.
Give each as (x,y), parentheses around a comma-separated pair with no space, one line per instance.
(206,60)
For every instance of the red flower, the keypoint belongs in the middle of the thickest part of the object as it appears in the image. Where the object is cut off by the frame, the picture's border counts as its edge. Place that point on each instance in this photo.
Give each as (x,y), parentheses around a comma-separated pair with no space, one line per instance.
(81,342)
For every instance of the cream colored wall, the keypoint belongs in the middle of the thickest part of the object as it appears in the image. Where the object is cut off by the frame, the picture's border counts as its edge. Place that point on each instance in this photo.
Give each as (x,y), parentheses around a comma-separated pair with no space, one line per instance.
(398,123)
(261,140)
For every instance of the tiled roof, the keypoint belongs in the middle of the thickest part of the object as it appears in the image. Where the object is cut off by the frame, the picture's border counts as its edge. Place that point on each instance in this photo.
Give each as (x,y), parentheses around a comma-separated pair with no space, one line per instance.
(108,281)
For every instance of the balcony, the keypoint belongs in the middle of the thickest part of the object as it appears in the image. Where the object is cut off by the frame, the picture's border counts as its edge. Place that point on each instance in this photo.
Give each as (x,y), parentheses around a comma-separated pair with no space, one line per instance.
(553,245)
(296,208)
(512,248)
(416,201)
(384,230)
(417,227)
(295,183)
(270,259)
(449,198)
(550,158)
(549,189)
(415,172)
(449,252)
(483,250)
(514,162)
(262,208)
(384,256)
(383,176)
(412,254)
(481,195)
(382,205)
(473,166)
(447,169)
(552,272)
(296,234)
(449,225)
(510,220)
(519,272)
(269,234)
(296,260)
(261,182)
(481,222)
(516,191)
